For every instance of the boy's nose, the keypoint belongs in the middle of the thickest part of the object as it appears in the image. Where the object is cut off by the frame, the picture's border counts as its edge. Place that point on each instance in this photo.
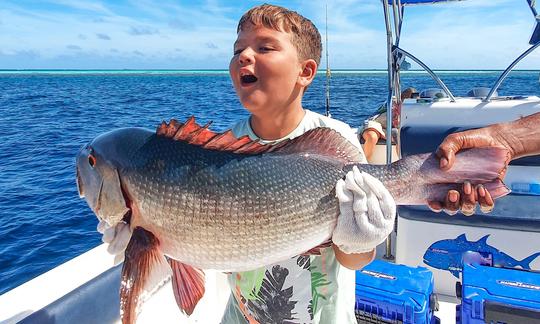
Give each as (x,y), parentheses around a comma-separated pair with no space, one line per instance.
(246,57)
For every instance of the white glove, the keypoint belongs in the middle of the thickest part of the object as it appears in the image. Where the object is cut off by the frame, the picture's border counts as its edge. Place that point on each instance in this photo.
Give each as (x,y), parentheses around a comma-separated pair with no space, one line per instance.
(117,237)
(367,213)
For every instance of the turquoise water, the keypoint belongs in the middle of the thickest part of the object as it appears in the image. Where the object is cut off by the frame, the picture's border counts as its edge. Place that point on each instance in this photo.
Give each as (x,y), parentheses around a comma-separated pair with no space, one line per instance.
(47,115)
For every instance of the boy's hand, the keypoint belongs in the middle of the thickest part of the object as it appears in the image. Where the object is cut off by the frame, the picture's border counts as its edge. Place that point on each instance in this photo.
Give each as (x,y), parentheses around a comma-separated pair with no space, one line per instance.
(117,237)
(367,213)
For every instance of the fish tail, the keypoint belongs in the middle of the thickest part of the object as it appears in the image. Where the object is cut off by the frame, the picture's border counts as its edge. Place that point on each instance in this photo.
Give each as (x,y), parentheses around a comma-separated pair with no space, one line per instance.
(417,179)
(476,165)
(526,263)
(484,166)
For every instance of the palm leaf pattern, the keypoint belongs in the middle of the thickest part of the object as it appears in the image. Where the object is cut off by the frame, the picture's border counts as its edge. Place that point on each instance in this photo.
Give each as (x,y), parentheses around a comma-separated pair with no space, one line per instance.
(318,280)
(304,261)
(273,303)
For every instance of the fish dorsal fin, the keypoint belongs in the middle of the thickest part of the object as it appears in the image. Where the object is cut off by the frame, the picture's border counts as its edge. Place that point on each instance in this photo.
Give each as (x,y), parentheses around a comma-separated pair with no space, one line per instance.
(192,133)
(483,240)
(462,237)
(320,141)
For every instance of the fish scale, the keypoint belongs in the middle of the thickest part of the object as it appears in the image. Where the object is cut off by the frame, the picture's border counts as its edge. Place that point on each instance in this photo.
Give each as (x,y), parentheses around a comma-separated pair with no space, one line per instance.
(252,196)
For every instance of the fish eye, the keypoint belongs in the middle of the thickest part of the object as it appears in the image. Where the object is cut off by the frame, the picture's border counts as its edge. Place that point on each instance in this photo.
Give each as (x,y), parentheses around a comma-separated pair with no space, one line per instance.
(91,160)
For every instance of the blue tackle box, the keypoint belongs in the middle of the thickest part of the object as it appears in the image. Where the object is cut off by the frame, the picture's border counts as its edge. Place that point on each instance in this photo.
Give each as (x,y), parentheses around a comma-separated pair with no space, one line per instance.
(393,293)
(498,295)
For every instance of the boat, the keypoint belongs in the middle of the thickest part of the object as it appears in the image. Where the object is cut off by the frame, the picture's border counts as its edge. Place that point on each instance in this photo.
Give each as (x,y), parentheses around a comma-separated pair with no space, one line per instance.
(85,289)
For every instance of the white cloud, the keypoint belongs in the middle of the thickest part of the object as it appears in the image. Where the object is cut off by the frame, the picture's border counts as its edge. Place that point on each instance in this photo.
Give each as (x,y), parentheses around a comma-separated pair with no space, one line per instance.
(457,35)
(91,6)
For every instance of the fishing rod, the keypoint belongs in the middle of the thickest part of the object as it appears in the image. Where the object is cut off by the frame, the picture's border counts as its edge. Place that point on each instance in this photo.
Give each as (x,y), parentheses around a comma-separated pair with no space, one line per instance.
(327,68)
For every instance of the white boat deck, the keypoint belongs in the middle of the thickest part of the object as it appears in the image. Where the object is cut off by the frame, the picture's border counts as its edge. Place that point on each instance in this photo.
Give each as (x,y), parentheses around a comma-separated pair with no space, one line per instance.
(39,292)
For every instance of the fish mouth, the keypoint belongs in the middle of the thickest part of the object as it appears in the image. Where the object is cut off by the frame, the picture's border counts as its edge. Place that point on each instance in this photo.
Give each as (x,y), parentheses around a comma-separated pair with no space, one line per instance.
(80,188)
(127,199)
(128,202)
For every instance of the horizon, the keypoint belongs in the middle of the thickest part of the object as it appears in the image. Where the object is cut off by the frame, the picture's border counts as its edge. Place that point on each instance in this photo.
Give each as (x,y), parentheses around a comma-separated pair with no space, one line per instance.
(191,35)
(227,70)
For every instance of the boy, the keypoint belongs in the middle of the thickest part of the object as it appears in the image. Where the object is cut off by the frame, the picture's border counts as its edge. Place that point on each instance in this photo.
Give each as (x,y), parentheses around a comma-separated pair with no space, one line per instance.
(276,56)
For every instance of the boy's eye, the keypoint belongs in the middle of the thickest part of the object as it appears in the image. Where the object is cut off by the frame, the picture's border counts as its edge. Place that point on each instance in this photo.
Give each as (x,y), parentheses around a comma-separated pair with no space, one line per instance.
(265,48)
(237,51)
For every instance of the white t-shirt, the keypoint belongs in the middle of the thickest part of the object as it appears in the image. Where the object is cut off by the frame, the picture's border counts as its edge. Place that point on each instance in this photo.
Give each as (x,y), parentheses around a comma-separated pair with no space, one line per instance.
(303,289)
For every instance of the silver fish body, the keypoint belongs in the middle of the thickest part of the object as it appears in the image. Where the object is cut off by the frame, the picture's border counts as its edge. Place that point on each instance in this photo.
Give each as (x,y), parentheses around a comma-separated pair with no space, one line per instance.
(209,201)
(221,210)
(233,212)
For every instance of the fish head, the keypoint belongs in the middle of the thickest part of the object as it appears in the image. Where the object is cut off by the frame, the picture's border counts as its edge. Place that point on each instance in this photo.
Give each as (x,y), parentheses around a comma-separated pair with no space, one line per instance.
(99,178)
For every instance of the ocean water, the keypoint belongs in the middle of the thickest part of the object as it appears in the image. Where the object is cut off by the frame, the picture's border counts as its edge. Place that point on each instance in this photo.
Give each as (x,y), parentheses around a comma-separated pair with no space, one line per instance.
(46,116)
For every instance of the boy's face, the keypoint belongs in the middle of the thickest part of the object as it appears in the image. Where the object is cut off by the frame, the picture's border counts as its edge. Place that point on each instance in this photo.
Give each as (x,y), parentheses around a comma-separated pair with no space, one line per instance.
(265,68)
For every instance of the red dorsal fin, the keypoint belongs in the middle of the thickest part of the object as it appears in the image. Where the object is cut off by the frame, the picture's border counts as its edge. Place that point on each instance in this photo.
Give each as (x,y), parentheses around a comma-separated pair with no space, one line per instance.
(320,141)
(188,285)
(192,133)
(201,135)
(221,142)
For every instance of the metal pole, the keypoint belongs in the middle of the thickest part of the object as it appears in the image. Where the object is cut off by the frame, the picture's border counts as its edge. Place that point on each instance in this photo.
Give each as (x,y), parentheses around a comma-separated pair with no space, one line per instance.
(428,70)
(327,69)
(397,87)
(508,69)
(532,6)
(388,255)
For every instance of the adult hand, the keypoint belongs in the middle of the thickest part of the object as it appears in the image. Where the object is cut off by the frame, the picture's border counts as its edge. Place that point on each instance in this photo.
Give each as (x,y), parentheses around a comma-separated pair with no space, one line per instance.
(367,213)
(117,237)
(467,199)
(464,201)
(491,136)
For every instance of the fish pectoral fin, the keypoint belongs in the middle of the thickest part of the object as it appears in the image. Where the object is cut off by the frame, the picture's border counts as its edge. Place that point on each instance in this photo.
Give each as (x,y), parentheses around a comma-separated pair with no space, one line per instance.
(144,271)
(188,285)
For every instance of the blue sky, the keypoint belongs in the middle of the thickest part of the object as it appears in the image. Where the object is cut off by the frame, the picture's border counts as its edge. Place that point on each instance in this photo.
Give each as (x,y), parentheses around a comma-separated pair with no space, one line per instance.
(165,34)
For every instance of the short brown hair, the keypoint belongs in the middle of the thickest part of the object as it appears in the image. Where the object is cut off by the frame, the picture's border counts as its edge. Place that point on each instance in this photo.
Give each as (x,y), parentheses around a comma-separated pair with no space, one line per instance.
(305,36)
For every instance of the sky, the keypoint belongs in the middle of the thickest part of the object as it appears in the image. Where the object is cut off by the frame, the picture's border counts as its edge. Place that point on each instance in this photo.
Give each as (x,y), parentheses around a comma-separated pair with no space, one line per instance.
(166,34)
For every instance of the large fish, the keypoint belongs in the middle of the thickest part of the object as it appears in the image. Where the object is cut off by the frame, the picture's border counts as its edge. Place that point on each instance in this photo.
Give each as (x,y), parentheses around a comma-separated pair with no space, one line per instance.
(200,200)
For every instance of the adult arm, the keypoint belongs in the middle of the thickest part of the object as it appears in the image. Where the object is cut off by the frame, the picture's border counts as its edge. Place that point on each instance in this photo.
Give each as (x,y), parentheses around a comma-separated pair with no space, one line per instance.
(520,137)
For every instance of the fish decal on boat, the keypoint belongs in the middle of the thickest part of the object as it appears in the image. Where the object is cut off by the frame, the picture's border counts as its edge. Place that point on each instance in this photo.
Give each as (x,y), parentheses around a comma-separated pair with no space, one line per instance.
(196,199)
(450,255)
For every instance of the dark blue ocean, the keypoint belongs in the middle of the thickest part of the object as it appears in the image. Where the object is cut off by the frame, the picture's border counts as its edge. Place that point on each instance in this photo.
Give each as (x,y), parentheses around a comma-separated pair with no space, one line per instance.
(45,117)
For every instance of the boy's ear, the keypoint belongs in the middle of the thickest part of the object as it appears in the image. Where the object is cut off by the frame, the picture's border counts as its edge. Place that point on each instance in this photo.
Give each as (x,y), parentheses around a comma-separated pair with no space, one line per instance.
(309,70)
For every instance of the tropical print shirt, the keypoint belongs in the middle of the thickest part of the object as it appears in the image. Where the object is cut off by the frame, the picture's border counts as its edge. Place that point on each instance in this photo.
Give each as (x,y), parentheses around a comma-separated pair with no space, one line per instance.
(303,289)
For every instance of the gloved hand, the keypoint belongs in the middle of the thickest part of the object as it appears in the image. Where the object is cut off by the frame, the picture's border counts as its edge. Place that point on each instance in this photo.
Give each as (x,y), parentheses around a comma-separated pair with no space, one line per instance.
(117,237)
(367,213)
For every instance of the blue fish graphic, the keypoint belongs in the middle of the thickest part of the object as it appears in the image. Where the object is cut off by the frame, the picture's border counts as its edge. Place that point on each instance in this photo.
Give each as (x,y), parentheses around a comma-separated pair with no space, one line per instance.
(450,254)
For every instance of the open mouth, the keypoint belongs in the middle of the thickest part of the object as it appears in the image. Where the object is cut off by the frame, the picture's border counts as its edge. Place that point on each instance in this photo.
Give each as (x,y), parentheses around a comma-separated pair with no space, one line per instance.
(248,79)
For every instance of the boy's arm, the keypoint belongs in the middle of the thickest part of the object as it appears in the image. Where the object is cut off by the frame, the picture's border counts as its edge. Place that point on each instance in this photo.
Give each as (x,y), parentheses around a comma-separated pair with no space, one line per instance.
(353,261)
